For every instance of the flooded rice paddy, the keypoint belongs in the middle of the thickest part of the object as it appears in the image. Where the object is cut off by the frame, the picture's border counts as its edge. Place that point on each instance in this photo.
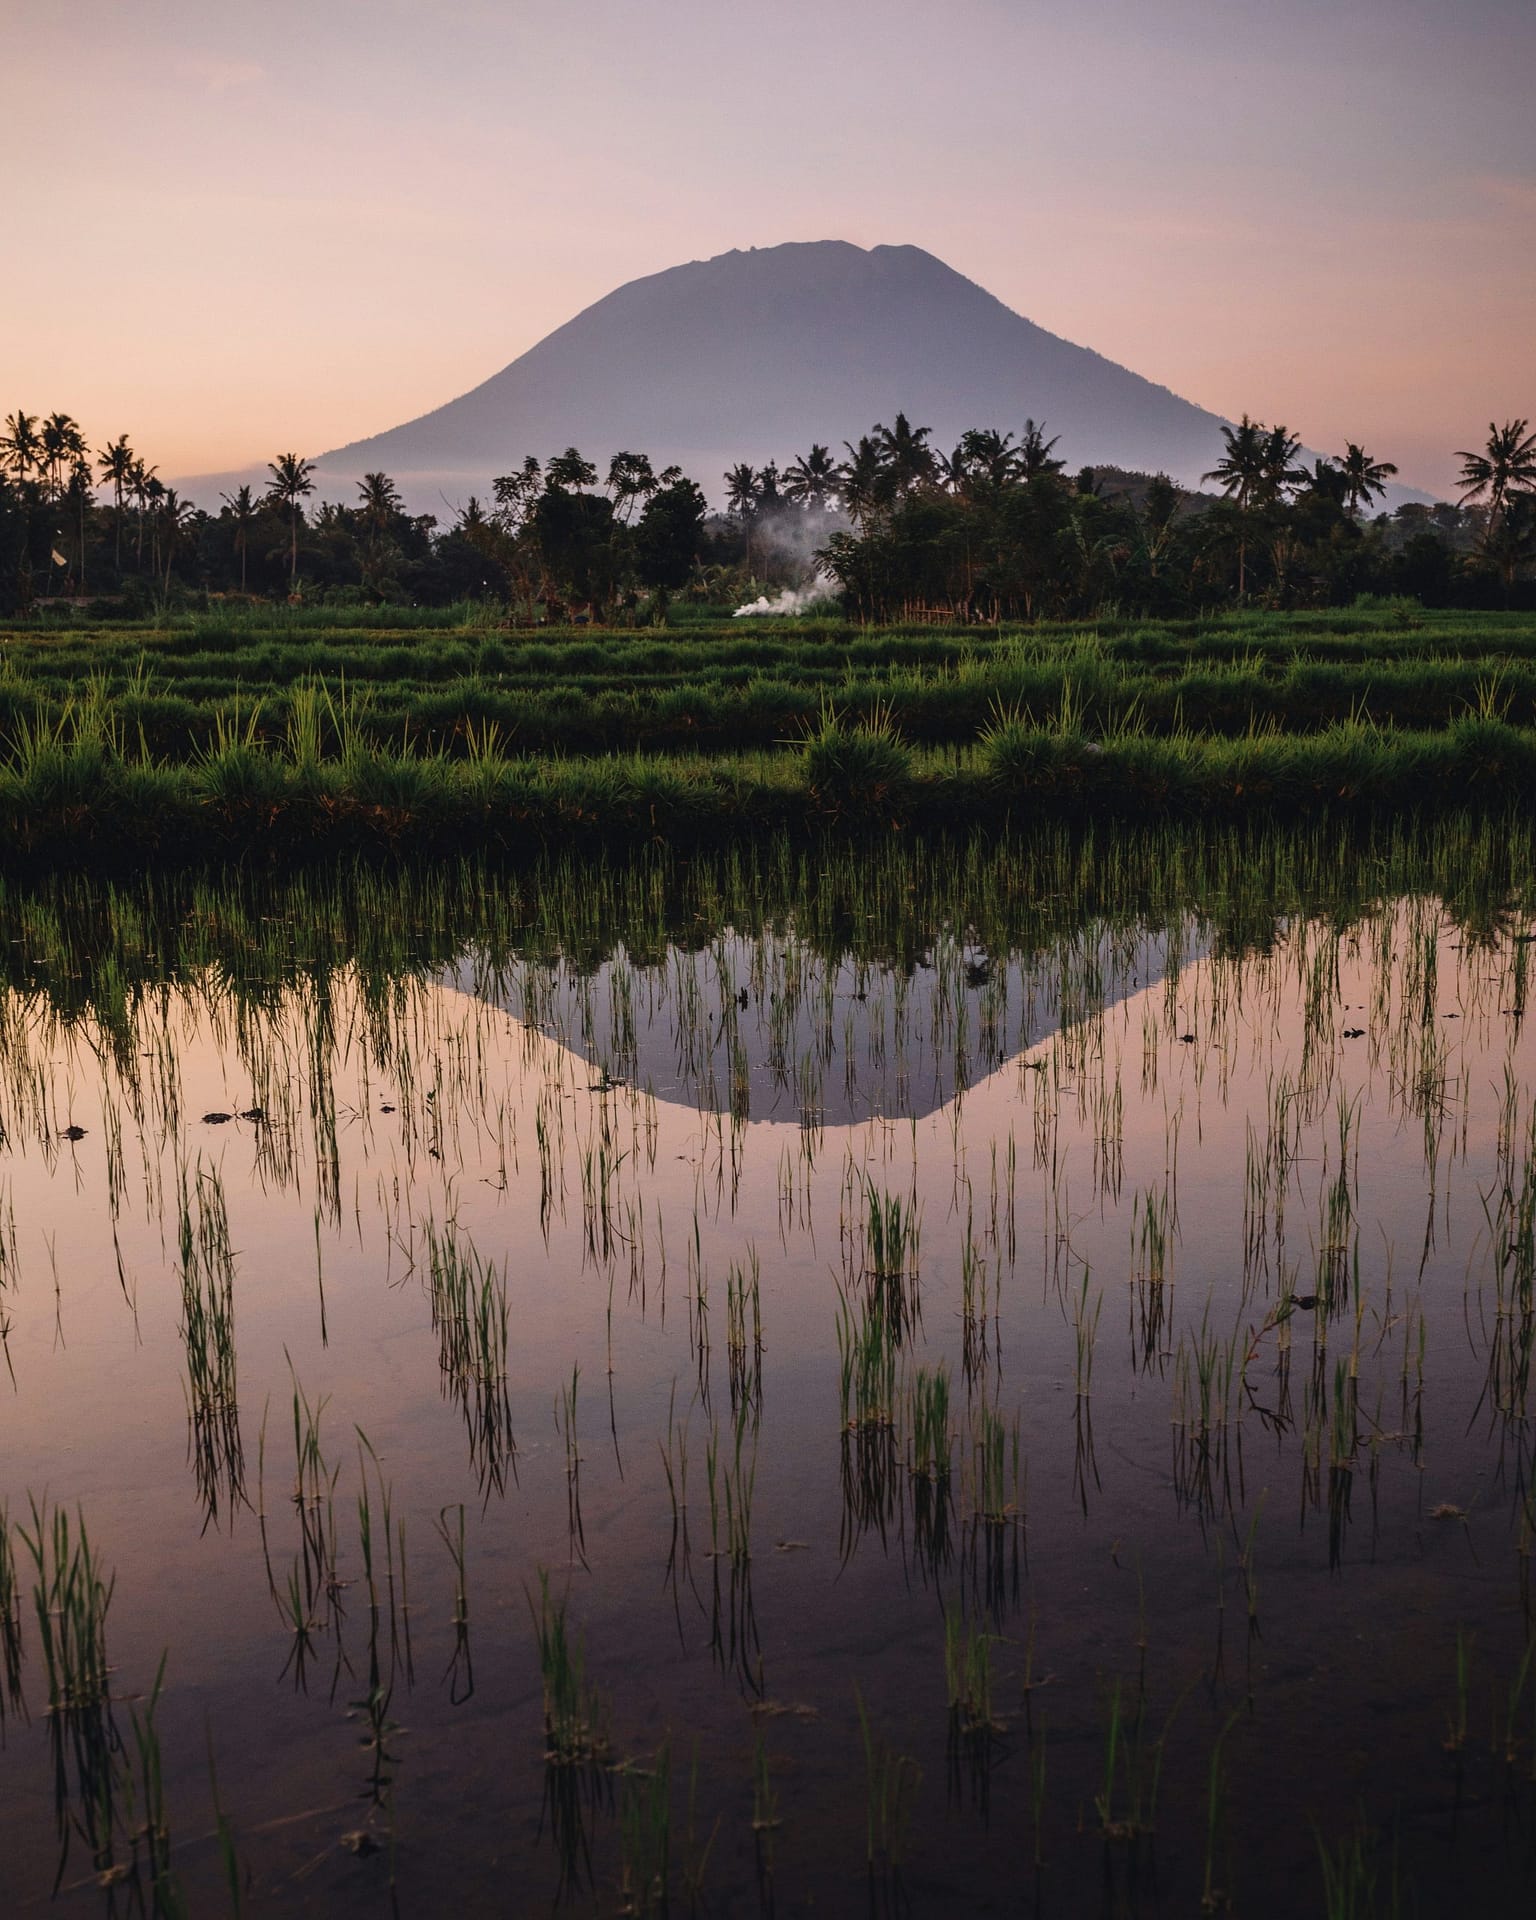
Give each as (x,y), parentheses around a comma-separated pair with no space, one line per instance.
(939,1381)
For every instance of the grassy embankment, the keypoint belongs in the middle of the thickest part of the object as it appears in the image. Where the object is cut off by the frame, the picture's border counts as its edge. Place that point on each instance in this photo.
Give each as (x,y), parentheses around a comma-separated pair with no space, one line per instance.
(290,733)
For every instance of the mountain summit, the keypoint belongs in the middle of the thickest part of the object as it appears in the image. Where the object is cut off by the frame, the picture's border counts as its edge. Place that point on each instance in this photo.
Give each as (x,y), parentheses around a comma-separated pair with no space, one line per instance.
(754,355)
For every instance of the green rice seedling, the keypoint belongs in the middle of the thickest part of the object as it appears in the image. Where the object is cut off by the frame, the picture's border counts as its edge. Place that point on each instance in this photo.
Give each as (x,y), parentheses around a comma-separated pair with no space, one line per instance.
(229,1858)
(866,1348)
(765,1796)
(696,1854)
(1085,1329)
(891,1257)
(575,1722)
(929,1438)
(1350,1879)
(1456,1719)
(1215,1897)
(968,1679)
(146,1812)
(645,1834)
(891,1783)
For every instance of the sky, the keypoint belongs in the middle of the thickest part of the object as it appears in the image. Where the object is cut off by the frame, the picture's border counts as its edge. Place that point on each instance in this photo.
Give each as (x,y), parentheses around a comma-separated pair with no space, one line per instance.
(293,223)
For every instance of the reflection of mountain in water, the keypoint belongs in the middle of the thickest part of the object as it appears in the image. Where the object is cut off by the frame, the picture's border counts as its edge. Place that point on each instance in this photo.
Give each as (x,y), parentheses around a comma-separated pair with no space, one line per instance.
(767,1029)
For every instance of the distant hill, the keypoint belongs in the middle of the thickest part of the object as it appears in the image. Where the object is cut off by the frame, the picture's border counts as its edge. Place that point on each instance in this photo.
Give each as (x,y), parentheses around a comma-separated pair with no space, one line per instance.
(755,355)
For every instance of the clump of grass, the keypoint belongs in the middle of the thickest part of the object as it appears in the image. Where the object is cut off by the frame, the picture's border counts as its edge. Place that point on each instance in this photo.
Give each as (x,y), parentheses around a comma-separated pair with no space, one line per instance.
(645,1834)
(575,1724)
(861,771)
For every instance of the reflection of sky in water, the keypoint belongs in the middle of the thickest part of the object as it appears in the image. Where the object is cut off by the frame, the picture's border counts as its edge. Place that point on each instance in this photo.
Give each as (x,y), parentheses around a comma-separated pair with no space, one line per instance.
(443,1105)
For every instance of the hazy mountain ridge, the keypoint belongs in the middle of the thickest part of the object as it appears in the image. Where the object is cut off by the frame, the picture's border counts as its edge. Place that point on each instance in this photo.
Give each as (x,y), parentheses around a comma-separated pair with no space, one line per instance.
(754,355)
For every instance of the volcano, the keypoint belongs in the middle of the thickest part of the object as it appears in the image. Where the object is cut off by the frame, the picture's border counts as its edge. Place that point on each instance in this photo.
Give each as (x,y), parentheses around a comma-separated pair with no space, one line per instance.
(755,355)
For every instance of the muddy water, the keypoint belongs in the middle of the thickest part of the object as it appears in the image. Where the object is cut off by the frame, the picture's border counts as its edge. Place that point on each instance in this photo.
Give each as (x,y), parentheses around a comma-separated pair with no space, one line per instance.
(1230,1251)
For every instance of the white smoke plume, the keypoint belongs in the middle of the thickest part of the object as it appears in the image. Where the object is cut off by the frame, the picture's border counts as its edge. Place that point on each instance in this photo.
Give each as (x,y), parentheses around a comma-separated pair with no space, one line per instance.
(790,600)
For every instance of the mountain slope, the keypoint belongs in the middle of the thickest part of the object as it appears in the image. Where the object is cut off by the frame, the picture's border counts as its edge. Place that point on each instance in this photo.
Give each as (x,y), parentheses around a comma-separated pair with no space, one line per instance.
(754,355)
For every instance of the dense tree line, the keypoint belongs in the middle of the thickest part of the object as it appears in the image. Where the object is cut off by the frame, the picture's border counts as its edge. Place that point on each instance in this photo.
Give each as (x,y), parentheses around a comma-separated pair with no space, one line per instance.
(996,528)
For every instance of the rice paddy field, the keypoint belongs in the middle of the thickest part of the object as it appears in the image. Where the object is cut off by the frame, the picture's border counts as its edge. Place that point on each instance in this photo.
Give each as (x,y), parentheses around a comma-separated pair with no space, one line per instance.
(283,734)
(915,1376)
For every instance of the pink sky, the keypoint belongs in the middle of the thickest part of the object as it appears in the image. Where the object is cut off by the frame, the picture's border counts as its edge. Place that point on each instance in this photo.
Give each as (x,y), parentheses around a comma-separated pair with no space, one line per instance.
(236,231)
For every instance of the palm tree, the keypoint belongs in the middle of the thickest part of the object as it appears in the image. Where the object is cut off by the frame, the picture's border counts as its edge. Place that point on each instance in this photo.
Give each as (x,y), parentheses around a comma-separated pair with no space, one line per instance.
(1507,465)
(1281,447)
(79,494)
(812,480)
(115,463)
(865,488)
(62,443)
(984,460)
(1252,472)
(242,510)
(743,492)
(21,448)
(905,454)
(1365,479)
(141,484)
(175,517)
(291,481)
(1034,452)
(1511,543)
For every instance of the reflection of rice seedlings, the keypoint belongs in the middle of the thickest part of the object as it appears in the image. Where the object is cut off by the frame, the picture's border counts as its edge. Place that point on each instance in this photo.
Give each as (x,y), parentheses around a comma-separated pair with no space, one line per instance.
(731,1481)
(469,1316)
(645,1834)
(744,1333)
(575,1722)
(461,1671)
(11,1698)
(891,1782)
(71,1596)
(208,1335)
(1339,1250)
(565,1422)
(314,1488)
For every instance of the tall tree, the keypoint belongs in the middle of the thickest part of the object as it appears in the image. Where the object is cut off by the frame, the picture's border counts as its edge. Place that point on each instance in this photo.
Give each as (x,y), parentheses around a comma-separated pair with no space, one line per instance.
(242,509)
(743,493)
(115,465)
(905,454)
(63,442)
(568,470)
(812,480)
(21,446)
(292,480)
(1035,452)
(630,478)
(1365,479)
(1506,465)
